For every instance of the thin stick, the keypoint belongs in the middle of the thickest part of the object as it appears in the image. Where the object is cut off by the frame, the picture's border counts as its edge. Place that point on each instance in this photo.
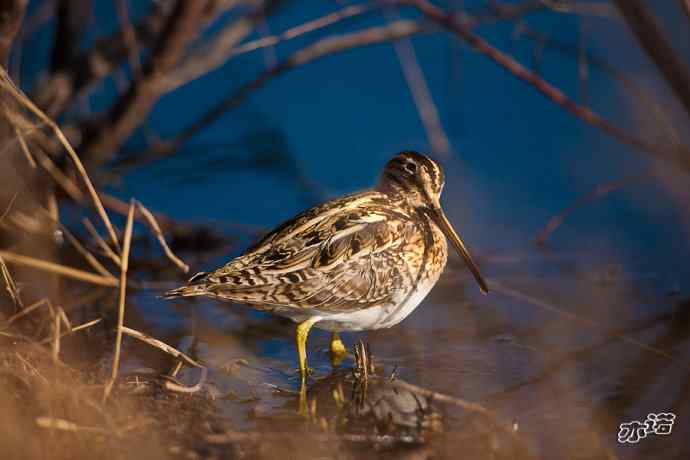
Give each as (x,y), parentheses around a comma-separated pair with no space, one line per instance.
(172,386)
(309,26)
(65,425)
(601,191)
(86,325)
(121,305)
(100,241)
(161,346)
(63,270)
(56,339)
(467,405)
(60,178)
(24,100)
(9,285)
(512,293)
(161,239)
(9,206)
(90,258)
(25,148)
(421,95)
(675,154)
(26,311)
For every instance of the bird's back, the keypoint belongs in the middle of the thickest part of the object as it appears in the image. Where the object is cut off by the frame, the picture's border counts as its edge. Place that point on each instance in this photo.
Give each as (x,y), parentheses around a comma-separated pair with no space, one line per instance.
(347,254)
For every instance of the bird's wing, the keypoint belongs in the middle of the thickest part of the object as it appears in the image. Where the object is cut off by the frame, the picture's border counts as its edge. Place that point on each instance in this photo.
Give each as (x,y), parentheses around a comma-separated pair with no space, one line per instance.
(343,255)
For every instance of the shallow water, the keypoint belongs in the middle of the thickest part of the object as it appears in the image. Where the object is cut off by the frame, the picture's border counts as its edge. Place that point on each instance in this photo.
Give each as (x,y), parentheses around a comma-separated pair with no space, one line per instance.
(564,358)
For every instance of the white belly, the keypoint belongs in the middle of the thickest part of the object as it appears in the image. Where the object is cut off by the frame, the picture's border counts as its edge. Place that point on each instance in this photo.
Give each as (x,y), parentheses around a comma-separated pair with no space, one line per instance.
(374,317)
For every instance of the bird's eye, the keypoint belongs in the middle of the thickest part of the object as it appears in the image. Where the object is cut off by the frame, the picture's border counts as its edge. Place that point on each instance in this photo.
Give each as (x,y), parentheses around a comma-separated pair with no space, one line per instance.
(411,168)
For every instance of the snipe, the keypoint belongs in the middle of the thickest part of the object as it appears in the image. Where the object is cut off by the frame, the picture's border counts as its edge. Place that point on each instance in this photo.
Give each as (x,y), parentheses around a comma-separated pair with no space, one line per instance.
(361,262)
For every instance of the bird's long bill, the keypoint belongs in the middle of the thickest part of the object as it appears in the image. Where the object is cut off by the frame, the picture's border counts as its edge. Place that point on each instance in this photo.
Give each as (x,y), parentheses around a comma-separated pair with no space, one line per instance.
(442,221)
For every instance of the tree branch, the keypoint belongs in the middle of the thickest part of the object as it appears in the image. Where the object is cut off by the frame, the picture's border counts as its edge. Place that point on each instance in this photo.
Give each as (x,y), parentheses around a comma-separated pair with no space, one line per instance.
(215,53)
(652,40)
(317,50)
(102,140)
(54,94)
(679,155)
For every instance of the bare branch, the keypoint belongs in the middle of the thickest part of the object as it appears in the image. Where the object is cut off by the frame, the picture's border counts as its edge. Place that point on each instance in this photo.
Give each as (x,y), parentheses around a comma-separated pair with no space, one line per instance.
(133,108)
(598,193)
(215,53)
(414,75)
(319,49)
(657,113)
(155,228)
(652,40)
(129,36)
(676,154)
(162,346)
(54,94)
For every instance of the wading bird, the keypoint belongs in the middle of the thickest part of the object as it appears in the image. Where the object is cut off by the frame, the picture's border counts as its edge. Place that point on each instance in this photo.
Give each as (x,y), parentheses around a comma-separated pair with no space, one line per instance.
(360,262)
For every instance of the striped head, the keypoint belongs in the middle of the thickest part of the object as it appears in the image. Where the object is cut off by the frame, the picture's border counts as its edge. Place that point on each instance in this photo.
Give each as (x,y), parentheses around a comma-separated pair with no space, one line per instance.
(414,177)
(418,181)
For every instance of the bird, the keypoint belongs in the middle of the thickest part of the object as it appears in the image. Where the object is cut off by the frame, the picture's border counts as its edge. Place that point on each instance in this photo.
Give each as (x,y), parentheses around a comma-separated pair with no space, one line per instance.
(364,261)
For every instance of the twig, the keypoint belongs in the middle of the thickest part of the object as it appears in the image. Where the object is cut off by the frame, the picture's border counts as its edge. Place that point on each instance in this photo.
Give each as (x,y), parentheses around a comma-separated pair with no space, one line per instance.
(10,286)
(65,425)
(101,243)
(512,293)
(86,325)
(319,49)
(650,36)
(680,155)
(131,110)
(26,311)
(9,207)
(25,148)
(161,346)
(421,94)
(66,183)
(632,87)
(155,228)
(213,54)
(172,386)
(302,29)
(26,102)
(124,257)
(129,36)
(598,193)
(234,437)
(90,258)
(56,336)
(225,46)
(58,269)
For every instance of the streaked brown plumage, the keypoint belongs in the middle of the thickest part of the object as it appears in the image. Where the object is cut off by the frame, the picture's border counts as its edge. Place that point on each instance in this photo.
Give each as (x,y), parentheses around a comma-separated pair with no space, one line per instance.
(360,262)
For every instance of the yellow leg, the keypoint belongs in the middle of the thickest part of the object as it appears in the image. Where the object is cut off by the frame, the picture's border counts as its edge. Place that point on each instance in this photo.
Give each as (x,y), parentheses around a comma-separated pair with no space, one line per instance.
(338,350)
(301,338)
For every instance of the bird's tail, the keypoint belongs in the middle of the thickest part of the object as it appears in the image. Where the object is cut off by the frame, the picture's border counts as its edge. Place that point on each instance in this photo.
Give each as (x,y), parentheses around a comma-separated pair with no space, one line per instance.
(186,291)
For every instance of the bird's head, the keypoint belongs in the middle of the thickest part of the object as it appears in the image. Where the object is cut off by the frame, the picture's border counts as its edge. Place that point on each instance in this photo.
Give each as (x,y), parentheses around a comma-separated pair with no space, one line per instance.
(418,181)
